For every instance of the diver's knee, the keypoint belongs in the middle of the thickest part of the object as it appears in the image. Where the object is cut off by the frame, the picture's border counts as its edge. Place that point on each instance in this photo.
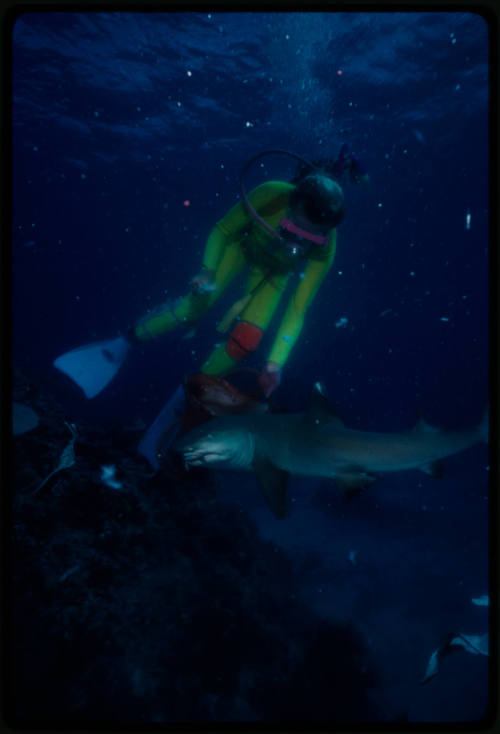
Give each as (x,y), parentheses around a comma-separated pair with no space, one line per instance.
(243,340)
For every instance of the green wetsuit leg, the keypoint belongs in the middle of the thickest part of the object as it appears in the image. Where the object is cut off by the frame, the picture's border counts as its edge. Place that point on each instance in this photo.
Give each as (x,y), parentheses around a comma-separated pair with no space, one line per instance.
(192,306)
(258,312)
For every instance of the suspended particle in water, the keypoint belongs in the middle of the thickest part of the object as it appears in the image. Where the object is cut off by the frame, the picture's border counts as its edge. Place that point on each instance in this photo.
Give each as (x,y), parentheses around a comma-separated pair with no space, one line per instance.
(467,219)
(186,202)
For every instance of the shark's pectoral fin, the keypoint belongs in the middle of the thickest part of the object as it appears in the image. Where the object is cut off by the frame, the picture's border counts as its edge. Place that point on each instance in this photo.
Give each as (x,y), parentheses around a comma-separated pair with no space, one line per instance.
(351,483)
(273,484)
(434,469)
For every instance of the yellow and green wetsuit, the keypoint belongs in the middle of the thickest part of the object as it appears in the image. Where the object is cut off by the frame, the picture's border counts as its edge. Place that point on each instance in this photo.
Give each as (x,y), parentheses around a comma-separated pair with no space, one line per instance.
(238,241)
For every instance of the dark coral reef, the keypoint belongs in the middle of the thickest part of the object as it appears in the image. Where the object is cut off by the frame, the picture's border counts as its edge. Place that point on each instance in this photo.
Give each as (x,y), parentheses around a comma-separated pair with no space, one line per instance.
(154,601)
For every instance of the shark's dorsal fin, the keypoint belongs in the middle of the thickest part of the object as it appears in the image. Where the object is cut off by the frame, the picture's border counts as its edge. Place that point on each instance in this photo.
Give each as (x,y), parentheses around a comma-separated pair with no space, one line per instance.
(273,483)
(423,427)
(320,411)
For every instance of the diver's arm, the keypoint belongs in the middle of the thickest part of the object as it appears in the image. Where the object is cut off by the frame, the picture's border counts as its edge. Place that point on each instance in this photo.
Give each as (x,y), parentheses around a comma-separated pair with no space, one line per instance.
(183,310)
(266,199)
(200,285)
(269,194)
(300,301)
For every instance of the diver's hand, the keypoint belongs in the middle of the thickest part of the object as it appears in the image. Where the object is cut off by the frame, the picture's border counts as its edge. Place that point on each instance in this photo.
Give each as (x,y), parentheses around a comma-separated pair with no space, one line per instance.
(269,378)
(203,283)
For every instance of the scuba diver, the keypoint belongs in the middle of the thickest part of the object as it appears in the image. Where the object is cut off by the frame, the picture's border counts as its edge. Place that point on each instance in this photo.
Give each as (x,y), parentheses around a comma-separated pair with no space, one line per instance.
(275,229)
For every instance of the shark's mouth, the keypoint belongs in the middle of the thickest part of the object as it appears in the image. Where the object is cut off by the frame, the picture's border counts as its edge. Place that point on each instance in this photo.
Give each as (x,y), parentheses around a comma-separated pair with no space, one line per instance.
(228,449)
(207,451)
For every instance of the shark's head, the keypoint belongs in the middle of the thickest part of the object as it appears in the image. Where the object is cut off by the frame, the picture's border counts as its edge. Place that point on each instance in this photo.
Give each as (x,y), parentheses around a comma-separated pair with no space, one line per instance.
(217,446)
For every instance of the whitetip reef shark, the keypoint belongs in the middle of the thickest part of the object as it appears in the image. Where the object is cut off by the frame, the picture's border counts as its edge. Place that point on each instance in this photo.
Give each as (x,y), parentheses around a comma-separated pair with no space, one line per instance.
(317,444)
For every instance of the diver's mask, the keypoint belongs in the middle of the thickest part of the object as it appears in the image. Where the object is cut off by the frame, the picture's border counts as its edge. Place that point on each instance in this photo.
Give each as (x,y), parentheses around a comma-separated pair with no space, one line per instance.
(296,240)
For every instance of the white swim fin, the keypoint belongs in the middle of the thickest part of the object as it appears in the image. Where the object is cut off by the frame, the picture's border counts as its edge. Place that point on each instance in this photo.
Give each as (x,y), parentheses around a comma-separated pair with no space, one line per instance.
(93,366)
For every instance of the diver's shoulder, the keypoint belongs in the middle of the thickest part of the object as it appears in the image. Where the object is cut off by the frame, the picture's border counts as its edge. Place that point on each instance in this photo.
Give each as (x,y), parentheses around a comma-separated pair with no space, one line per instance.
(273,188)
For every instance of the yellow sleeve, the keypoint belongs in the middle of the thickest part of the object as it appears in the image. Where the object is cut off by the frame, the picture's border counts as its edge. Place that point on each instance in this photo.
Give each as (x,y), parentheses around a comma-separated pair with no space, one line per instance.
(214,248)
(293,319)
(267,198)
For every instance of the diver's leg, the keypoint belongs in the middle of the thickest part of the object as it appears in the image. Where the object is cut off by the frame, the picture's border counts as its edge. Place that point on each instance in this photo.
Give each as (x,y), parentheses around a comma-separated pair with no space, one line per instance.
(192,306)
(246,335)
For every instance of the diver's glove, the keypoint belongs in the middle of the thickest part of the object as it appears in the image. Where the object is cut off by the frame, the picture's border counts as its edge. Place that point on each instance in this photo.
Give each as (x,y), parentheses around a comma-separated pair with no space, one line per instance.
(269,378)
(203,283)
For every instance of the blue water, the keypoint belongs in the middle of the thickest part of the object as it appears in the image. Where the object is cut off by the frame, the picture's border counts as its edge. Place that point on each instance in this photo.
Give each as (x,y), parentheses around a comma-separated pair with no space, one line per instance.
(129,133)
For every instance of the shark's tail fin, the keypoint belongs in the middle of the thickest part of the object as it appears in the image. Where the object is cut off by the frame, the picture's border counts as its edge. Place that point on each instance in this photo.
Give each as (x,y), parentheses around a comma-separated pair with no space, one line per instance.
(484,426)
